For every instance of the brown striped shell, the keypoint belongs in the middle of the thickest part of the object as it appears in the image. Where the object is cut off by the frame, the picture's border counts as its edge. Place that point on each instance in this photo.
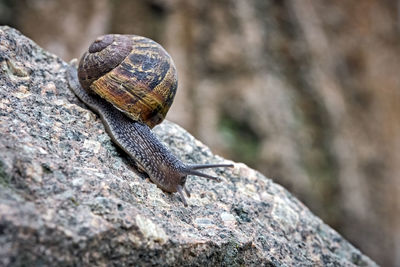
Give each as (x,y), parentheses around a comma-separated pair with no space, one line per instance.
(133,73)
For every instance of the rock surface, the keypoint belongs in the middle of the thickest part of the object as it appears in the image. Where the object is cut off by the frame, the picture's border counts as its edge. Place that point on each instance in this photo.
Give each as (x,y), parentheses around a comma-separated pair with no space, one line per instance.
(68,196)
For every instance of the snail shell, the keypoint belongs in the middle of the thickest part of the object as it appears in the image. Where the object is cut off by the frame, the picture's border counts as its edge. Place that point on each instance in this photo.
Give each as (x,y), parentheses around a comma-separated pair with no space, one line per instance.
(133,73)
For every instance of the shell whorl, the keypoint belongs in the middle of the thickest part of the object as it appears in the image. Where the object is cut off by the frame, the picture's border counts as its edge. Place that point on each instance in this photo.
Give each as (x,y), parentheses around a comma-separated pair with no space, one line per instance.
(133,73)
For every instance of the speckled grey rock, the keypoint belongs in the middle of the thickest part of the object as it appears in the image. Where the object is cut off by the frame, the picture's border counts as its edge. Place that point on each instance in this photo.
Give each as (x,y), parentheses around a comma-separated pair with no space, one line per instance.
(68,196)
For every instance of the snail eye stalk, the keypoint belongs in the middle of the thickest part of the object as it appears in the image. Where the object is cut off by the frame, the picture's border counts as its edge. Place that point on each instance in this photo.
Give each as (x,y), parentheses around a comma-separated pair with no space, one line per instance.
(193,170)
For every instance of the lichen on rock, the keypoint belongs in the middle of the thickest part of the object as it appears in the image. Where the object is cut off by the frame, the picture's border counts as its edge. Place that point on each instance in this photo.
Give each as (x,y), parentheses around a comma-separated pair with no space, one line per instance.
(69,196)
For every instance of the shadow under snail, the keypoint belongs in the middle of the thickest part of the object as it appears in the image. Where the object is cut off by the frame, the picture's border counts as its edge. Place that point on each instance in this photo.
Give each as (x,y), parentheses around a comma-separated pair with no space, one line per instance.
(130,82)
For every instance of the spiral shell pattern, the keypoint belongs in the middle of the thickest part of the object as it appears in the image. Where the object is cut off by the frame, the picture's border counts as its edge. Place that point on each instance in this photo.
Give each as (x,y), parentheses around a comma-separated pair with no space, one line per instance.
(133,73)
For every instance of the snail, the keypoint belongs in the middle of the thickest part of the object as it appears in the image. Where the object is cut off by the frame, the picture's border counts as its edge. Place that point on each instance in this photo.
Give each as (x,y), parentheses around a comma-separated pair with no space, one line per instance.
(130,82)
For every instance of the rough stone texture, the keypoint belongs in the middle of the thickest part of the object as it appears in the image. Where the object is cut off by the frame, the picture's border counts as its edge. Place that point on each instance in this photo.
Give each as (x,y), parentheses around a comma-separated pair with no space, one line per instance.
(69,196)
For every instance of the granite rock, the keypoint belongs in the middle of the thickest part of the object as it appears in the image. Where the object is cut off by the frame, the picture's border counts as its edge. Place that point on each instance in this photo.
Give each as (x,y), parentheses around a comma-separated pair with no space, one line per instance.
(69,196)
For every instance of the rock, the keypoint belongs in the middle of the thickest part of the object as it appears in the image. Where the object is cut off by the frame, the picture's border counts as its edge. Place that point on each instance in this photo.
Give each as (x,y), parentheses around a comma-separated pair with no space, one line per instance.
(68,196)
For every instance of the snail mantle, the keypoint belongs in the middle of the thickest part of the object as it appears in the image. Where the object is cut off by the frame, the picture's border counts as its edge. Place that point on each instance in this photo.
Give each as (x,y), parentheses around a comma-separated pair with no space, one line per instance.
(69,196)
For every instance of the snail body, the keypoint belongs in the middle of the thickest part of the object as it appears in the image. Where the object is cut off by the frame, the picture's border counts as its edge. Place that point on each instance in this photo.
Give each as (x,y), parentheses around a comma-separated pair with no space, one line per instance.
(130,82)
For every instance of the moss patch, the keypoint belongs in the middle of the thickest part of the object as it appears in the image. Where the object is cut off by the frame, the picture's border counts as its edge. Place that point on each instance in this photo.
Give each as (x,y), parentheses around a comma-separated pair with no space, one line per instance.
(242,140)
(4,178)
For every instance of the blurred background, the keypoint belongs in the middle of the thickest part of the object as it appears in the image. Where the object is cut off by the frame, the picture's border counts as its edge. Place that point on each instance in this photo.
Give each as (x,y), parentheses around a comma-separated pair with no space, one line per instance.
(307,92)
